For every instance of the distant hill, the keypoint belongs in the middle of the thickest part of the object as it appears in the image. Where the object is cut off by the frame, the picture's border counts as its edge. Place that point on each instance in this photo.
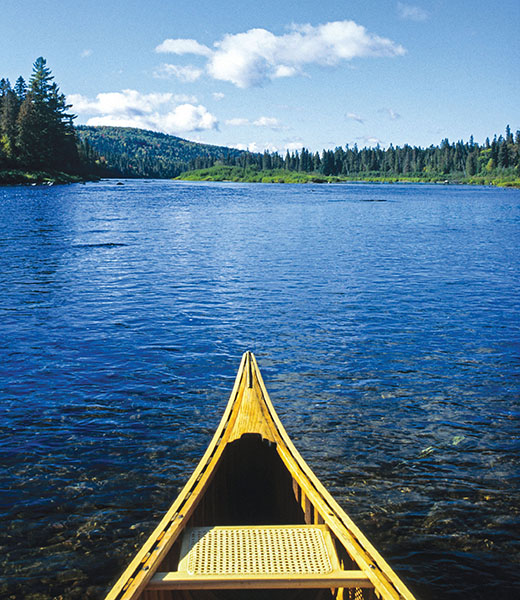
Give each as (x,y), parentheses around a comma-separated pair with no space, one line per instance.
(129,152)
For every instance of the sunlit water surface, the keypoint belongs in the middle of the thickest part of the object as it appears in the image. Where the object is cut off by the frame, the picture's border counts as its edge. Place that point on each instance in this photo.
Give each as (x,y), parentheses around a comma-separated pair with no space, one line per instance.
(385,320)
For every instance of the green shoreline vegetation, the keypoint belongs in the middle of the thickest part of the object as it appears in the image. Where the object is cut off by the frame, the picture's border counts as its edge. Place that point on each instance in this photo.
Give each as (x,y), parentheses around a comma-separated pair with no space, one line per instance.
(254,175)
(496,162)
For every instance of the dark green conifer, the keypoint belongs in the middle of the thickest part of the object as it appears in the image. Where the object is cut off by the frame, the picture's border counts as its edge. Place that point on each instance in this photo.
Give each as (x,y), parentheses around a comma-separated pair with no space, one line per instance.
(8,115)
(20,89)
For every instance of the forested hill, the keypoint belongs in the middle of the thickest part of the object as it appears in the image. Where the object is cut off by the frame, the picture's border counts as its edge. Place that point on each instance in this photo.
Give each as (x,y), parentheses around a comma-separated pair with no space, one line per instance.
(130,152)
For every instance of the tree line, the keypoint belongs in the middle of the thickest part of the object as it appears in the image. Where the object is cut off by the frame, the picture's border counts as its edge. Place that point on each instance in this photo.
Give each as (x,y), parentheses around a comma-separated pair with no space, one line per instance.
(465,159)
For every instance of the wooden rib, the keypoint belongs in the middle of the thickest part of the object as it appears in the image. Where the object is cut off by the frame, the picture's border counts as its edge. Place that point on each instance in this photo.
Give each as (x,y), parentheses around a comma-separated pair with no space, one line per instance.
(177,581)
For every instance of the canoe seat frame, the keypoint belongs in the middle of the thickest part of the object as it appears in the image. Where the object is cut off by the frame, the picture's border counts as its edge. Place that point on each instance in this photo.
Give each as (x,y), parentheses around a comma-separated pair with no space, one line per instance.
(261,557)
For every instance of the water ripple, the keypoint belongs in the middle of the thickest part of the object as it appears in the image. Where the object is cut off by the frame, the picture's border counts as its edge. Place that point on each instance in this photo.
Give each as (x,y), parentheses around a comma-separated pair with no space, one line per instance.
(386,323)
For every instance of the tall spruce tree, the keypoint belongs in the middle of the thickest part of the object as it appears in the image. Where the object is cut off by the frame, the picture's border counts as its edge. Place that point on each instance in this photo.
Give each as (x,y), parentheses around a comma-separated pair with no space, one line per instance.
(45,135)
(20,89)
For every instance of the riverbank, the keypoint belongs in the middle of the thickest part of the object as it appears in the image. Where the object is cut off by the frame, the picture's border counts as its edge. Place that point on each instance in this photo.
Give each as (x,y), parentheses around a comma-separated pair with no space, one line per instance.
(252,175)
(20,177)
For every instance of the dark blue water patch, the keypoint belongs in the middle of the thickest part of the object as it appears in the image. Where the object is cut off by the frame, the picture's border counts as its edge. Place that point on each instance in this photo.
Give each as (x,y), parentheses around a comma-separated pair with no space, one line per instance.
(100,245)
(387,334)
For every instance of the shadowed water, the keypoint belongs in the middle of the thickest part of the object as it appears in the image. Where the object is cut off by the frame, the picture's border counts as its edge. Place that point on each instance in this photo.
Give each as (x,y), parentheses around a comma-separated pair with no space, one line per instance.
(385,320)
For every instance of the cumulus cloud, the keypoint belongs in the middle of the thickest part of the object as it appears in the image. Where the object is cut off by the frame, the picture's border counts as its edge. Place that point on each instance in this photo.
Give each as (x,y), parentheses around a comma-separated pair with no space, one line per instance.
(187,73)
(183,46)
(355,117)
(411,13)
(254,57)
(293,146)
(158,112)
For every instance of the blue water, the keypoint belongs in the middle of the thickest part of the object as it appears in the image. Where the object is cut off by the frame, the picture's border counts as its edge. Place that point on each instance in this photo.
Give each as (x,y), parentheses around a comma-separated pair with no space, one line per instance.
(386,323)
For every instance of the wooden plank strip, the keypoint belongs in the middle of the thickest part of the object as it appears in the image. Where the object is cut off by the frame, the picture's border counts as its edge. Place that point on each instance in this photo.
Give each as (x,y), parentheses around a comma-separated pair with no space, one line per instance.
(174,580)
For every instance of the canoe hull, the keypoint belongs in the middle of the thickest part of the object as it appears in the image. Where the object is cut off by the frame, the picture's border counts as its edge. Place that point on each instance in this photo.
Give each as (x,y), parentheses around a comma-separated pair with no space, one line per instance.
(252,476)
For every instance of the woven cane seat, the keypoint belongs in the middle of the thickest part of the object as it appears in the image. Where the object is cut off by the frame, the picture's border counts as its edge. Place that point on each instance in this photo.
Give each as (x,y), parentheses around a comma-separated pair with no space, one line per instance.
(269,550)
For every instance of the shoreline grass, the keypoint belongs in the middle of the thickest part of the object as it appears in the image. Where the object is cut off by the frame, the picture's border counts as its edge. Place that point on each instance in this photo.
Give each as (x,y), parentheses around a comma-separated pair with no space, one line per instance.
(251,175)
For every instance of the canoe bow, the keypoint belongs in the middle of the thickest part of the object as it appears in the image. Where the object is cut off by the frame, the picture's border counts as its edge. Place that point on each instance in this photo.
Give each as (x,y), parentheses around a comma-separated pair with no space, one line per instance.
(250,414)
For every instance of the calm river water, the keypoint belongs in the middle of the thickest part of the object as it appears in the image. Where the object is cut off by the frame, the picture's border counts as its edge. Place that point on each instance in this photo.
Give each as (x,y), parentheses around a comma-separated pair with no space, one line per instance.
(386,323)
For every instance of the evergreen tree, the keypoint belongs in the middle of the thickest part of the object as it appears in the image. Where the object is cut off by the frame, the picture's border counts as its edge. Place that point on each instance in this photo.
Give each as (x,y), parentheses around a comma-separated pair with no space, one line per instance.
(471,164)
(5,86)
(8,115)
(45,130)
(20,89)
(503,155)
(28,137)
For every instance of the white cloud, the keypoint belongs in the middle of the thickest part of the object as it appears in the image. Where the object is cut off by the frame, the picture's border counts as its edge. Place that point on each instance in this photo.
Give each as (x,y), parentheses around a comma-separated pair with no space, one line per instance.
(293,146)
(412,13)
(257,56)
(218,96)
(86,53)
(187,73)
(183,46)
(252,147)
(355,117)
(284,71)
(270,122)
(158,112)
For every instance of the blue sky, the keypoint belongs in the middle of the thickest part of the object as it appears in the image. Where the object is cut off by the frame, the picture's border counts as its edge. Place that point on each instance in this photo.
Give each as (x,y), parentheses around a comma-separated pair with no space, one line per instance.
(278,75)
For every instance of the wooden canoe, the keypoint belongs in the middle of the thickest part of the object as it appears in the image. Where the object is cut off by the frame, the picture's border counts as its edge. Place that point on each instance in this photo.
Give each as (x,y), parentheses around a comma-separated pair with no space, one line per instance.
(253,521)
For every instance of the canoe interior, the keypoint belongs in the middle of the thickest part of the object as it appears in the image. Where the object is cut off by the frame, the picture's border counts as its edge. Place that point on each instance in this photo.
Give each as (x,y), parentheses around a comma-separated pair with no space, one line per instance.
(252,486)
